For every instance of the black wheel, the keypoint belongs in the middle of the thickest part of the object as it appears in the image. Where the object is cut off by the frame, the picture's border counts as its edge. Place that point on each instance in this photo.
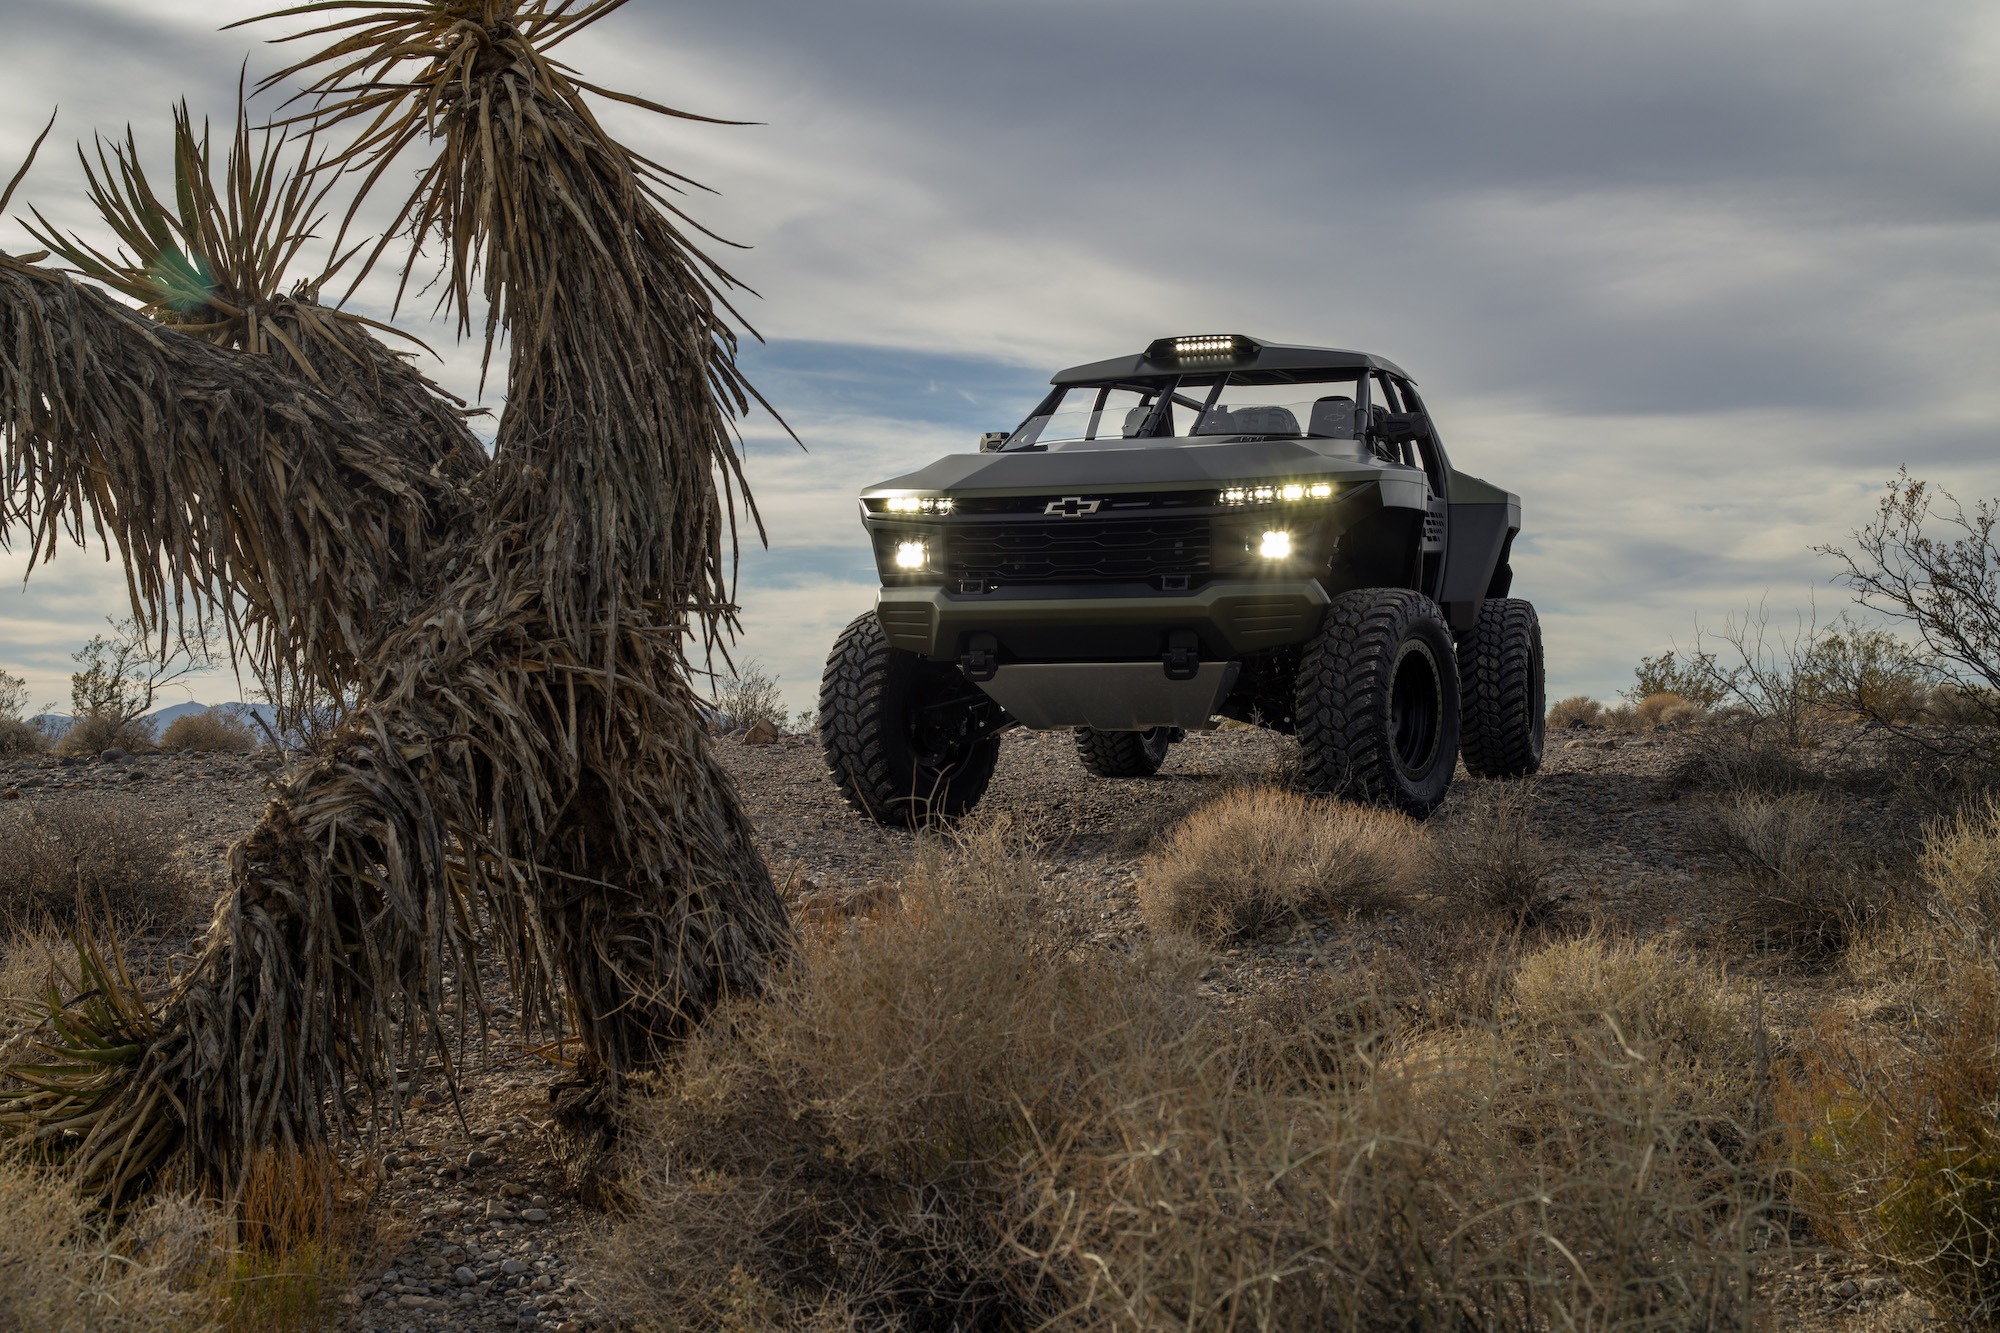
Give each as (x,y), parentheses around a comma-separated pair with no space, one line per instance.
(908,741)
(1123,754)
(1502,705)
(1376,704)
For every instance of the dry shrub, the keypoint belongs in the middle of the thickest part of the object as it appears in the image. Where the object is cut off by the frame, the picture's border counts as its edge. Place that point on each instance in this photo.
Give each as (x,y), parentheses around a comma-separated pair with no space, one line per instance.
(1733,757)
(94,733)
(208,733)
(1486,853)
(1894,1139)
(64,1271)
(1577,711)
(951,1117)
(1655,1000)
(1664,709)
(1259,855)
(29,959)
(296,1224)
(1798,882)
(1896,1149)
(19,739)
(108,853)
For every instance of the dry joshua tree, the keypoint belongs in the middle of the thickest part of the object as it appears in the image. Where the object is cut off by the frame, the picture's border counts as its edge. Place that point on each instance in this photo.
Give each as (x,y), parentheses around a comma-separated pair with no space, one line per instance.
(525,751)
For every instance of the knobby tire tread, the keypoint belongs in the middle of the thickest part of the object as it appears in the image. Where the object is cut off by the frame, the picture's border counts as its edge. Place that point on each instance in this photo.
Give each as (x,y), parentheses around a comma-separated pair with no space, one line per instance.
(1500,697)
(1341,703)
(1118,754)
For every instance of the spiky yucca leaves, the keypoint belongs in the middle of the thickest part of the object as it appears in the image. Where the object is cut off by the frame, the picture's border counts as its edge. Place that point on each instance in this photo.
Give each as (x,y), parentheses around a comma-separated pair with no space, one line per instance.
(226,482)
(527,741)
(615,459)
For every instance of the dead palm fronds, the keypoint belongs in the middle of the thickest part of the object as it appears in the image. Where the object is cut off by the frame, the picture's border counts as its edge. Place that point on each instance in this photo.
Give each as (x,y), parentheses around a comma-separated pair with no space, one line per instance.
(526,747)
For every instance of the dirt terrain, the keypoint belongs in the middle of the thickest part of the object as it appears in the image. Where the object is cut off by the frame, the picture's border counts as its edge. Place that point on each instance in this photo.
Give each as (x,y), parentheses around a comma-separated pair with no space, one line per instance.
(473,1226)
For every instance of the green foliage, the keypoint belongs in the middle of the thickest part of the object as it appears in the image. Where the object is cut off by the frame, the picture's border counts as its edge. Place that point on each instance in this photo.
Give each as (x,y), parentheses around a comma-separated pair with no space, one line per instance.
(1693,676)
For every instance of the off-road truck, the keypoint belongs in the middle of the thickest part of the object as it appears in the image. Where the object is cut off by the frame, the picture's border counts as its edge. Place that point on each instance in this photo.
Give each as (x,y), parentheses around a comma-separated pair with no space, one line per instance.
(1219,527)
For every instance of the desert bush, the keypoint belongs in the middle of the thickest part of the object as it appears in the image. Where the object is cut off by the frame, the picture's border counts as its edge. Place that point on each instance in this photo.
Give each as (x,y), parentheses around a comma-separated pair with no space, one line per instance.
(1927,561)
(1896,1150)
(64,1271)
(105,853)
(1664,709)
(13,695)
(1694,677)
(1732,756)
(1487,853)
(951,1116)
(19,739)
(208,732)
(1578,711)
(749,696)
(1799,884)
(1652,995)
(94,733)
(1258,855)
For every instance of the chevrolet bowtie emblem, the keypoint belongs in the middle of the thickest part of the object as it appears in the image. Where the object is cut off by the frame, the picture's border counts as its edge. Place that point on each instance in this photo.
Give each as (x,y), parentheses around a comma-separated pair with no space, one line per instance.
(1072,505)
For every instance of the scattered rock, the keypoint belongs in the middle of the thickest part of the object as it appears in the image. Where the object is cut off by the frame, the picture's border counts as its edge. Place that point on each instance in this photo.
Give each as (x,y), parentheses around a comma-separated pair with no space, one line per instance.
(114,755)
(534,1215)
(763,732)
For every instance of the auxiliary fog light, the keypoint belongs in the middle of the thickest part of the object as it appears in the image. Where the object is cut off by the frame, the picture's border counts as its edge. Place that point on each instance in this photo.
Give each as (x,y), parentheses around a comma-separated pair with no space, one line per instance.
(912,555)
(1276,545)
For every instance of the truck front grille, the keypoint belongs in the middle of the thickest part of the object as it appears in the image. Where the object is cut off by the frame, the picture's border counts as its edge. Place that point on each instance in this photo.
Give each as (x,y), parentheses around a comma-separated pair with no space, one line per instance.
(1077,550)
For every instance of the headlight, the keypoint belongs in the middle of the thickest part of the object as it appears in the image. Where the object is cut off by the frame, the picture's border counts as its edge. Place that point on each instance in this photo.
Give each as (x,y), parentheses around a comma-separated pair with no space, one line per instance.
(916,504)
(912,555)
(1276,492)
(1275,546)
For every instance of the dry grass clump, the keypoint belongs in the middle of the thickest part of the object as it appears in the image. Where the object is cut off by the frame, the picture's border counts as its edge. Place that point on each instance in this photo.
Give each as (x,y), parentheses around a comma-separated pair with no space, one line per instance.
(1654,999)
(1800,884)
(63,1271)
(107,854)
(1578,711)
(29,959)
(1732,758)
(1260,855)
(1486,853)
(94,733)
(208,733)
(951,1116)
(1665,709)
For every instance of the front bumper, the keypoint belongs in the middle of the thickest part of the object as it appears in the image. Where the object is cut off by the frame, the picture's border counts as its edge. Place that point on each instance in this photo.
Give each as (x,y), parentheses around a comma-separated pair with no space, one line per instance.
(1055,623)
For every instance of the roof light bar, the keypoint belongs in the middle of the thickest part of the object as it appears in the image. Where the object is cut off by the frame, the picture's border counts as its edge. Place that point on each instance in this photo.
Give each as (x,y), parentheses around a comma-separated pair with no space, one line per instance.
(1202,347)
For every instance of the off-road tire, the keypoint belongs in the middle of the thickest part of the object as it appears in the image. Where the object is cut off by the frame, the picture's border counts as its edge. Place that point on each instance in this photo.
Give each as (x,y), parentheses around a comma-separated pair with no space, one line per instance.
(1376,702)
(866,735)
(1503,705)
(1123,754)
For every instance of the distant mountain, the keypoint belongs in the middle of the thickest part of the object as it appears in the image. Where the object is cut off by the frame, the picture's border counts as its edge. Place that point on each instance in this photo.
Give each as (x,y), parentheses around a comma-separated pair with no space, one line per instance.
(161,718)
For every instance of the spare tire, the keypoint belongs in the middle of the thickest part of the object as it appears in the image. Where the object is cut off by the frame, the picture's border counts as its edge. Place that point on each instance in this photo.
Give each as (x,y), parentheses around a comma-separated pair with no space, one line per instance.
(907,740)
(1376,701)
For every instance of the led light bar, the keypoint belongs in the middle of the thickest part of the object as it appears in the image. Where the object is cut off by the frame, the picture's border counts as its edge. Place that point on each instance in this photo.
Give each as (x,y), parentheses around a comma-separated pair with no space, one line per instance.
(1202,347)
(1276,492)
(912,504)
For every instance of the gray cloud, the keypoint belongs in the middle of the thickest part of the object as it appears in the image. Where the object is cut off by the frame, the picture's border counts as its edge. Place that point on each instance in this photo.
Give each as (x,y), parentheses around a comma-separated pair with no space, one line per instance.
(1692,275)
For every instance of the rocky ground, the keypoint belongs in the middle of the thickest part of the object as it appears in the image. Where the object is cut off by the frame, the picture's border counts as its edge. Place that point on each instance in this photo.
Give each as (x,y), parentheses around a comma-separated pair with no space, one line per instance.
(473,1227)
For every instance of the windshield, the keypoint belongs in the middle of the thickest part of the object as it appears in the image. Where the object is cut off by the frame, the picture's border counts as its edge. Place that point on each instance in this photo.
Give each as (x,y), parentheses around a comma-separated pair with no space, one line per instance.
(1226,406)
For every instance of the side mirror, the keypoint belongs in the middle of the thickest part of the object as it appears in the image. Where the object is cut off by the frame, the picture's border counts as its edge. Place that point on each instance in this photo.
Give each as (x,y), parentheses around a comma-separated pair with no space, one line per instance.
(1396,427)
(990,442)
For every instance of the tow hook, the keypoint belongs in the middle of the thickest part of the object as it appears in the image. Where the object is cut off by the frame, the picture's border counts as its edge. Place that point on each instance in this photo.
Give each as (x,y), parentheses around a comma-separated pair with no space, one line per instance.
(981,659)
(1183,656)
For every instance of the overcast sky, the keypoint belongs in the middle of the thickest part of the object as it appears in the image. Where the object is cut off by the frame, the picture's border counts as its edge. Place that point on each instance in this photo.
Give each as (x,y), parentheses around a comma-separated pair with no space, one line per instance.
(1692,278)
